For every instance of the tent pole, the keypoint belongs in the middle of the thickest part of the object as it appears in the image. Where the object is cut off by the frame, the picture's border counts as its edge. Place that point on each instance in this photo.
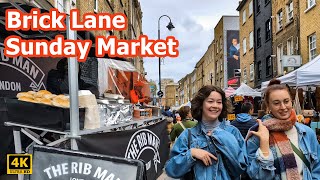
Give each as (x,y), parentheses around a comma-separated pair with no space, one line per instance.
(73,91)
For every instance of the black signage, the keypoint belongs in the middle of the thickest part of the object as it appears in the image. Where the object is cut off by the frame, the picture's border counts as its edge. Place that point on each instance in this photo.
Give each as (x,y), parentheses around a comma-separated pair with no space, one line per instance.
(56,164)
(149,144)
(21,74)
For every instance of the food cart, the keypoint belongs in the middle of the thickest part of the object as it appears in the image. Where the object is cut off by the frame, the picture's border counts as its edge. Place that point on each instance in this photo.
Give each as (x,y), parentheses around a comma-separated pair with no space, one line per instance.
(142,139)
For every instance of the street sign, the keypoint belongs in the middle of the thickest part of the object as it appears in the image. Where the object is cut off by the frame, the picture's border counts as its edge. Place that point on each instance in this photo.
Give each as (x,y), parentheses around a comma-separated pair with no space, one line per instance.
(160,94)
(238,98)
(231,117)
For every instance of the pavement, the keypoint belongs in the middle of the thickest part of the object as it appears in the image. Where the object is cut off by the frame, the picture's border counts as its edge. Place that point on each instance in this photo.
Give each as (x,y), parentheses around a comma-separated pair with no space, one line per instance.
(164,176)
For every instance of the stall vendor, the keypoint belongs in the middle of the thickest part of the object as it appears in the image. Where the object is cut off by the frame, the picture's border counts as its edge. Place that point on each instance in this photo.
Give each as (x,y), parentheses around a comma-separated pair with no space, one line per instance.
(136,94)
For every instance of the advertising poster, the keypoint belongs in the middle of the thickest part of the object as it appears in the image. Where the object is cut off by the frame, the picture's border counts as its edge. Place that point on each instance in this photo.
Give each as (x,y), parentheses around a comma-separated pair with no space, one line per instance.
(233,58)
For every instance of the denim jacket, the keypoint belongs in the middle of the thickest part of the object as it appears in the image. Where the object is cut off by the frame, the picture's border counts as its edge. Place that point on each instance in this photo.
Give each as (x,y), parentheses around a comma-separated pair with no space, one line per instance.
(260,168)
(225,140)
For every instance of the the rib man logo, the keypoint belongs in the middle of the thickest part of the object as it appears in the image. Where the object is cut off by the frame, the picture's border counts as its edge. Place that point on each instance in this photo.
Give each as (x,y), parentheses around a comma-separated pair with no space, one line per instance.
(26,66)
(141,141)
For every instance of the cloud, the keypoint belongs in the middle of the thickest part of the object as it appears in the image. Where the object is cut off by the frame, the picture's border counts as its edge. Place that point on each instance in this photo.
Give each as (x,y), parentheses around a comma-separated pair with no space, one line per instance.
(194,23)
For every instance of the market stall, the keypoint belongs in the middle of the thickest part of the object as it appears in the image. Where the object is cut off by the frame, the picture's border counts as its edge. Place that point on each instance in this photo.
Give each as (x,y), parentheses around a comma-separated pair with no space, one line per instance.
(244,94)
(82,115)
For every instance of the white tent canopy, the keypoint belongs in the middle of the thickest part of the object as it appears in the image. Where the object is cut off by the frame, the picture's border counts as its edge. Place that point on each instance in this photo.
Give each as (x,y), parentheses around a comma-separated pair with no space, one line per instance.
(306,75)
(245,90)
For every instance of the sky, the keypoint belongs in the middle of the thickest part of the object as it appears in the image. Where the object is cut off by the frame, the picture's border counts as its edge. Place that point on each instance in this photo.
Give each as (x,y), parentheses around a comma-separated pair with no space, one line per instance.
(194,22)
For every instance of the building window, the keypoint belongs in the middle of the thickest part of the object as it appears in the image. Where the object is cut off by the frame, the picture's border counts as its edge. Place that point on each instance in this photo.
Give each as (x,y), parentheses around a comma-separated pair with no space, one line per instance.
(279,58)
(245,75)
(259,70)
(268,29)
(268,66)
(250,8)
(251,72)
(251,40)
(217,47)
(266,1)
(290,46)
(312,46)
(311,3)
(217,67)
(95,6)
(258,38)
(221,66)
(220,42)
(279,20)
(290,11)
(244,16)
(258,6)
(244,46)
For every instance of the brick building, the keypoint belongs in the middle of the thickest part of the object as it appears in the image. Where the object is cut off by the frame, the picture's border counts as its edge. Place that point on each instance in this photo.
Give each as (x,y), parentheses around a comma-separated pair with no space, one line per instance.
(309,29)
(285,33)
(246,36)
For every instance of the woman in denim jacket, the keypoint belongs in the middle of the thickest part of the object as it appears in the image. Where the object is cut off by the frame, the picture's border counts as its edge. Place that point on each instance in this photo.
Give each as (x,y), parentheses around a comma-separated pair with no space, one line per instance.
(274,145)
(217,150)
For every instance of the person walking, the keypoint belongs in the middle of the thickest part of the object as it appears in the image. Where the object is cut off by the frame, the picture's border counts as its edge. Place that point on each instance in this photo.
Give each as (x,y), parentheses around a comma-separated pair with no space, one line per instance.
(212,149)
(186,122)
(244,120)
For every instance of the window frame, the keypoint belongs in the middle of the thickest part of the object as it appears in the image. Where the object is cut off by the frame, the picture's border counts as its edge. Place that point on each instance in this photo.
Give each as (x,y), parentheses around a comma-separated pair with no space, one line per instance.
(259,70)
(290,11)
(250,8)
(269,66)
(251,72)
(279,58)
(259,37)
(244,16)
(268,29)
(314,49)
(279,20)
(251,39)
(290,49)
(258,6)
(244,45)
(309,5)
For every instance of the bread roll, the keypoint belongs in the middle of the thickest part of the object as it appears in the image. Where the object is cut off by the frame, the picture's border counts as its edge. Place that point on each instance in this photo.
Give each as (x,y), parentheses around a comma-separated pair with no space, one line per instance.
(24,94)
(45,101)
(61,96)
(41,93)
(27,99)
(49,96)
(32,92)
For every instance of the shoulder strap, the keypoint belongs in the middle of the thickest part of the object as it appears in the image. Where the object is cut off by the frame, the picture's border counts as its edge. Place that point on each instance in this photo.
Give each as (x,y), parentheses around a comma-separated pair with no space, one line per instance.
(182,125)
(189,138)
(300,154)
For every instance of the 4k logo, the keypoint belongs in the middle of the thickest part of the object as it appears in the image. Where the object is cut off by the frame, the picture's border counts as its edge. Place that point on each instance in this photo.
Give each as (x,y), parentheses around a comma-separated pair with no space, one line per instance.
(19,164)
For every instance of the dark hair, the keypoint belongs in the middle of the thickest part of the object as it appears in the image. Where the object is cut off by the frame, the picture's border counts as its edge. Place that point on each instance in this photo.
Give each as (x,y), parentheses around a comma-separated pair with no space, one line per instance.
(273,85)
(246,107)
(202,94)
(183,112)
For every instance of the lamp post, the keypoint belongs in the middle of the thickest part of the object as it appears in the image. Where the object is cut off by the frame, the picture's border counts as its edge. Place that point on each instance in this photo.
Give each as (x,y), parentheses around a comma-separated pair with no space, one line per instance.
(170,27)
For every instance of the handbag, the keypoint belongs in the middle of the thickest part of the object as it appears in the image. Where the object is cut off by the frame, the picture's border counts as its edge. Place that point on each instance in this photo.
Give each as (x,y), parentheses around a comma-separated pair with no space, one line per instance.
(189,175)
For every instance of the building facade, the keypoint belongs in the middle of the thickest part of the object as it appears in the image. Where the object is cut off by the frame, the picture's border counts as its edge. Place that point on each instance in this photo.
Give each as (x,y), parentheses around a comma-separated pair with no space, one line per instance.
(309,29)
(263,62)
(199,73)
(246,36)
(171,95)
(208,68)
(131,8)
(227,61)
(285,33)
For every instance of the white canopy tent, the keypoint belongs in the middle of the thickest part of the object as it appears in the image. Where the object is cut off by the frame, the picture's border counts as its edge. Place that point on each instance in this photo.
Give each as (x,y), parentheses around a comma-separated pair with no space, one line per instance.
(306,75)
(245,90)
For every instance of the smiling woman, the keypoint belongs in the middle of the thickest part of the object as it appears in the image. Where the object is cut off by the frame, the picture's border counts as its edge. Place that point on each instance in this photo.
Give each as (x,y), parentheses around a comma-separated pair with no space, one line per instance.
(280,147)
(211,135)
